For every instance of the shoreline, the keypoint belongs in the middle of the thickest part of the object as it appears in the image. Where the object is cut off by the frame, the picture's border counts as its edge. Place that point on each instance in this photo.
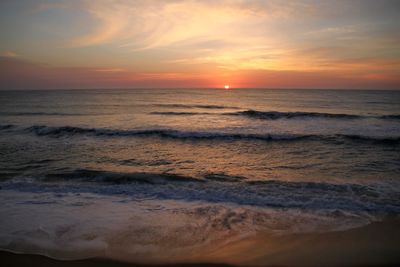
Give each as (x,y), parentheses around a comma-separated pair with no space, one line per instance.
(11,259)
(377,244)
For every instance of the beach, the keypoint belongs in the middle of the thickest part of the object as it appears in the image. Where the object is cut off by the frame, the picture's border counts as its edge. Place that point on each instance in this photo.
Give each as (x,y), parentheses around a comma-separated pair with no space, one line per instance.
(373,245)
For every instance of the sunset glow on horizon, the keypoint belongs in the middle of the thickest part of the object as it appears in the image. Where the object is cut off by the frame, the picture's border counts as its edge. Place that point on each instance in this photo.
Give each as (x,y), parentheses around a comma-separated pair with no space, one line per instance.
(199,44)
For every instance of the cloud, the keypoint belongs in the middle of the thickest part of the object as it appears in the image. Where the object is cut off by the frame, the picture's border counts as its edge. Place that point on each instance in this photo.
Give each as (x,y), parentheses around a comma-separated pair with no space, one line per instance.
(19,74)
(151,24)
(40,7)
(317,80)
(207,41)
(110,70)
(10,54)
(232,35)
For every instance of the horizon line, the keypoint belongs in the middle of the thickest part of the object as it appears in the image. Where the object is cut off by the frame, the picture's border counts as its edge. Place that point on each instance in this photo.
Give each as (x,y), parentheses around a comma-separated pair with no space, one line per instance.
(197,88)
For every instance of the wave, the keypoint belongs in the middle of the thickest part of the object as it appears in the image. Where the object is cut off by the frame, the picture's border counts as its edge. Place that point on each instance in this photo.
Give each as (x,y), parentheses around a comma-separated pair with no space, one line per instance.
(218,188)
(66,131)
(117,177)
(6,126)
(274,115)
(42,130)
(52,114)
(391,117)
(194,106)
(180,113)
(42,114)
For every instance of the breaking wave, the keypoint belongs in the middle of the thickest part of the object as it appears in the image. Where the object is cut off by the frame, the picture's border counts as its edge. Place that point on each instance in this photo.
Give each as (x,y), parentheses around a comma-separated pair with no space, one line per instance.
(6,126)
(218,188)
(391,117)
(117,177)
(43,114)
(194,106)
(66,131)
(179,113)
(275,115)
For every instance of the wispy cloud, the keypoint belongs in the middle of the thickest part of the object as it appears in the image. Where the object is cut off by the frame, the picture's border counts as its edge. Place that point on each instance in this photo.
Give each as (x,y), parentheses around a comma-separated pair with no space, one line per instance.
(212,39)
(9,53)
(229,34)
(110,70)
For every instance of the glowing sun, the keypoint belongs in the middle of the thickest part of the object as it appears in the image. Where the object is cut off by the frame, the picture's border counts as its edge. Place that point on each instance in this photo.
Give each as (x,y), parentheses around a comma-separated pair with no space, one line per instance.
(226,86)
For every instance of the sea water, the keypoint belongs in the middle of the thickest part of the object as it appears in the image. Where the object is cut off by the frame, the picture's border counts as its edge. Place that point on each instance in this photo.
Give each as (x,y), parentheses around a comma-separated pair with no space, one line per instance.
(145,174)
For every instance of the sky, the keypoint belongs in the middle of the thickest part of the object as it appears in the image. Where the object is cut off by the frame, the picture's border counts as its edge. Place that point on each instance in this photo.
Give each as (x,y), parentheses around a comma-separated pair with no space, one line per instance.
(70,44)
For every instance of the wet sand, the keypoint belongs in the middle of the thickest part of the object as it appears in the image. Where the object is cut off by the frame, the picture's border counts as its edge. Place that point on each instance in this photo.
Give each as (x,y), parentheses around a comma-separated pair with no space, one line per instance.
(377,244)
(10,259)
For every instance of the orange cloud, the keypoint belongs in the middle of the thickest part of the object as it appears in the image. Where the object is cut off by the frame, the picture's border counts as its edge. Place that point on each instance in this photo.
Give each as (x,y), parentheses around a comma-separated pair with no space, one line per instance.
(9,54)
(19,74)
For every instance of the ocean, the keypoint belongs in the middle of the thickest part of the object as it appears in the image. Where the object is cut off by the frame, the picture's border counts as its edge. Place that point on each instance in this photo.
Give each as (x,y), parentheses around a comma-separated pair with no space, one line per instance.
(171,175)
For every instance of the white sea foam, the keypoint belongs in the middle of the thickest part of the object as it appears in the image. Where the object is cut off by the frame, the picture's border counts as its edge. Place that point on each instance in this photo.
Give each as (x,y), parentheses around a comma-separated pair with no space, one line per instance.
(82,225)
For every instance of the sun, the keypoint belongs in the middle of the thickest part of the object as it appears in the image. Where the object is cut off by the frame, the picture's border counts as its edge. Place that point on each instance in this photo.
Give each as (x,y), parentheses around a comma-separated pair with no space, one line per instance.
(226,86)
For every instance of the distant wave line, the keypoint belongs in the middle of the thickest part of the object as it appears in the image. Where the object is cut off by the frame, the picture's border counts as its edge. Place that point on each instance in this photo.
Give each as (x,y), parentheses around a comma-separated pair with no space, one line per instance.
(194,106)
(173,113)
(274,115)
(51,114)
(66,131)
